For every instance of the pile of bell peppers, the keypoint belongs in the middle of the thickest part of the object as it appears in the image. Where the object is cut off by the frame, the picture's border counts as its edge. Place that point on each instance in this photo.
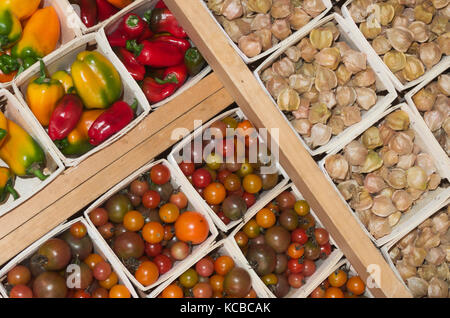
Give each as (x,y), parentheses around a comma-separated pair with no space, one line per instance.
(156,51)
(22,154)
(80,108)
(95,11)
(27,33)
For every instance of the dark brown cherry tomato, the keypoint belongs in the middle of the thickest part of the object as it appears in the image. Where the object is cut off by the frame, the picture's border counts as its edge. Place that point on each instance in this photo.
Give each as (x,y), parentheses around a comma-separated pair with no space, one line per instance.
(309,267)
(241,239)
(232,182)
(139,187)
(100,293)
(222,175)
(321,236)
(285,200)
(296,280)
(312,251)
(99,216)
(19,275)
(78,230)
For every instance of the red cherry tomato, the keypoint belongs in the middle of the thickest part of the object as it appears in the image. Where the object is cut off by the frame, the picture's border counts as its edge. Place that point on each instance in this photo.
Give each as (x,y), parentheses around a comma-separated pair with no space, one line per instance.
(299,236)
(205,267)
(153,250)
(160,174)
(187,168)
(223,174)
(151,199)
(325,250)
(309,267)
(295,266)
(249,199)
(163,262)
(201,178)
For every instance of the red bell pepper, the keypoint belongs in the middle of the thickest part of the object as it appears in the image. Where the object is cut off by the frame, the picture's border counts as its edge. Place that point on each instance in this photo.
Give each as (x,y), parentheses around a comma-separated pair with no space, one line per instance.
(156,92)
(65,117)
(156,54)
(136,70)
(133,25)
(181,43)
(147,34)
(163,20)
(88,13)
(174,74)
(160,4)
(118,38)
(117,117)
(105,10)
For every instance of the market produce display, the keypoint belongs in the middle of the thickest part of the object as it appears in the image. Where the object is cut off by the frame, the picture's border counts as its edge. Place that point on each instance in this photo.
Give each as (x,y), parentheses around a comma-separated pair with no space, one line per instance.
(433,102)
(410,36)
(213,276)
(21,28)
(150,225)
(283,244)
(322,85)
(227,179)
(156,51)
(422,256)
(66,266)
(258,25)
(80,108)
(384,173)
(342,283)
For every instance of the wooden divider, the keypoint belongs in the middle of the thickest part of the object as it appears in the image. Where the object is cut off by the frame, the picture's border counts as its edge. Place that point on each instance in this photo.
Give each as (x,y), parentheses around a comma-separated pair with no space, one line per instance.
(295,159)
(79,186)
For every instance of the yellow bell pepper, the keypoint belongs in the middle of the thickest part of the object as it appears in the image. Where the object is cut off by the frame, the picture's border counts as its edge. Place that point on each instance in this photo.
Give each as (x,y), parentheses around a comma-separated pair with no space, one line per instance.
(42,96)
(65,79)
(96,80)
(22,153)
(40,36)
(7,179)
(10,28)
(3,128)
(21,8)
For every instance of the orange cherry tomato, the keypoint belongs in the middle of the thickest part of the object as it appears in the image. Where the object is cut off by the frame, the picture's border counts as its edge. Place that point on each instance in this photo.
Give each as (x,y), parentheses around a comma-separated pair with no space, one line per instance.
(153,232)
(245,128)
(169,213)
(78,230)
(214,193)
(133,221)
(252,183)
(191,227)
(223,264)
(172,291)
(295,250)
(251,294)
(169,232)
(216,282)
(334,292)
(265,218)
(147,273)
(92,260)
(272,206)
(355,285)
(217,295)
(119,291)
(338,278)
(110,281)
(81,294)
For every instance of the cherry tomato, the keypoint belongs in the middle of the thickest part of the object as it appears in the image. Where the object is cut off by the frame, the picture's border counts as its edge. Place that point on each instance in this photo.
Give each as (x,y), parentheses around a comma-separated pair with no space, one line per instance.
(307,221)
(249,199)
(251,229)
(98,216)
(295,266)
(245,128)
(139,187)
(201,178)
(92,260)
(179,199)
(169,213)
(214,161)
(301,207)
(265,218)
(216,282)
(295,250)
(153,232)
(299,236)
(321,236)
(151,199)
(102,270)
(252,183)
(251,294)
(334,292)
(296,280)
(172,291)
(191,227)
(214,193)
(241,239)
(81,294)
(325,250)
(270,279)
(119,291)
(78,230)
(338,278)
(187,168)
(163,262)
(230,122)
(169,232)
(232,182)
(318,292)
(179,250)
(21,291)
(189,278)
(147,273)
(110,281)
(152,250)
(106,230)
(100,293)
(355,285)
(133,221)
(205,267)
(202,290)
(223,264)
(19,275)
(309,267)
(226,147)
(223,217)
(160,174)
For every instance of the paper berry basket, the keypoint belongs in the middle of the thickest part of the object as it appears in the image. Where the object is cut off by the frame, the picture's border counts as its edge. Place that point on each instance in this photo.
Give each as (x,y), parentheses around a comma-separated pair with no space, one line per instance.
(223,247)
(322,266)
(62,61)
(99,247)
(193,205)
(140,8)
(427,200)
(27,187)
(175,157)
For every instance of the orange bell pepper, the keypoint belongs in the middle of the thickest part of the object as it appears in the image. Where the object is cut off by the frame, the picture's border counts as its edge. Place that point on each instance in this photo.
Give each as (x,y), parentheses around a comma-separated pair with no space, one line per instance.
(21,8)
(120,3)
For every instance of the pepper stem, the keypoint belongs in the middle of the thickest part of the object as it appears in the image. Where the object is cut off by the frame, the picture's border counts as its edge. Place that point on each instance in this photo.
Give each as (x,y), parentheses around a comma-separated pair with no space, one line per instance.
(61,143)
(134,47)
(13,191)
(37,172)
(3,133)
(134,105)
(147,16)
(132,21)
(171,78)
(41,79)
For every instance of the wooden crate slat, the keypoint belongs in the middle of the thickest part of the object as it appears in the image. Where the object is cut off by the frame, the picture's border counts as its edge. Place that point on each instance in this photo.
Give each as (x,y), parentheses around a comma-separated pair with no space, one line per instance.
(295,159)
